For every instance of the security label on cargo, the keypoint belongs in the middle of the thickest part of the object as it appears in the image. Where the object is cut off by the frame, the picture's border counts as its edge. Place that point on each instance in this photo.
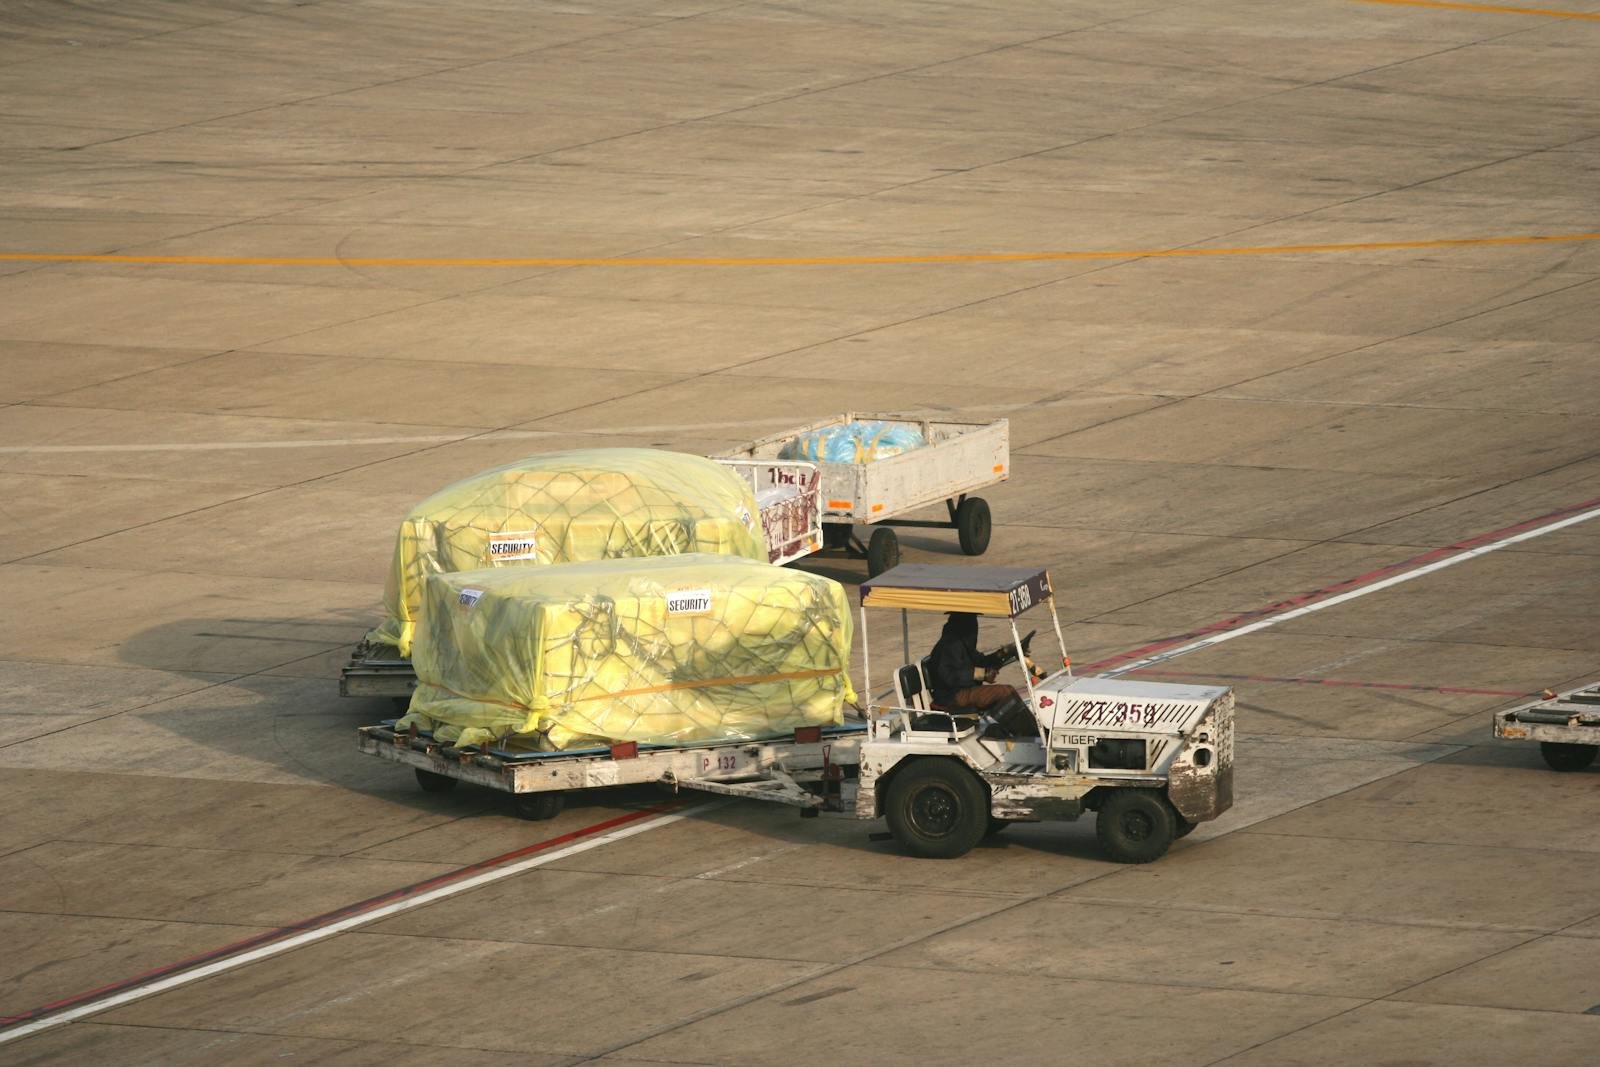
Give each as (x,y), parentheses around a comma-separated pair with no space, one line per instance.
(508,545)
(689,602)
(468,597)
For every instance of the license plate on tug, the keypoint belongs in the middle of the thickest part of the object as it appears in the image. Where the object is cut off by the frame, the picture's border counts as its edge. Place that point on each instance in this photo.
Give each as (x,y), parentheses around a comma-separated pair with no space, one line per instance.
(725,763)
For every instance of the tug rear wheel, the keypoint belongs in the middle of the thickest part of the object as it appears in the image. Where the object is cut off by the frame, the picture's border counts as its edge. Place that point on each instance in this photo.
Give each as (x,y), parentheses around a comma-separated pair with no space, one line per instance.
(1567,757)
(937,809)
(1135,825)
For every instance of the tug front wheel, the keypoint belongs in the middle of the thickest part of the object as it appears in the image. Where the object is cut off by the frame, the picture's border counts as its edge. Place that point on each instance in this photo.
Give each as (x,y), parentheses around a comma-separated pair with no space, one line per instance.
(937,809)
(1135,825)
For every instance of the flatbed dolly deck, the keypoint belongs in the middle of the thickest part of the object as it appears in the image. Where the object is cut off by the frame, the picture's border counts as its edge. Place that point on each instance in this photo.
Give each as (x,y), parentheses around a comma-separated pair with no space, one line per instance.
(1567,727)
(776,768)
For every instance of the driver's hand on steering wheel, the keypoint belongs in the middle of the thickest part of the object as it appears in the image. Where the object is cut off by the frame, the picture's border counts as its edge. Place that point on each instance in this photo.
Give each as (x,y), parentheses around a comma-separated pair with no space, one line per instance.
(990,675)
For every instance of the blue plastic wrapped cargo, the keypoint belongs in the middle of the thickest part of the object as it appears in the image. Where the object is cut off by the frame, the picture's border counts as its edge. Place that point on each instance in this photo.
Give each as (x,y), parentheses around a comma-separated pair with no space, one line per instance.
(854,442)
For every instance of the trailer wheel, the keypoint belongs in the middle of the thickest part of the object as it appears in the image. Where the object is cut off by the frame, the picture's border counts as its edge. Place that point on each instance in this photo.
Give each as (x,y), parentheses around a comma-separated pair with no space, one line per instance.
(937,809)
(536,807)
(1567,757)
(1135,825)
(435,783)
(883,551)
(973,525)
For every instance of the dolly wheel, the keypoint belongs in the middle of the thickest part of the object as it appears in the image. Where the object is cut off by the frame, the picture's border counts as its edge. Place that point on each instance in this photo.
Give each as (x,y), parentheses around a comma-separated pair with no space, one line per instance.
(1567,757)
(536,807)
(937,809)
(435,783)
(973,525)
(1135,825)
(883,551)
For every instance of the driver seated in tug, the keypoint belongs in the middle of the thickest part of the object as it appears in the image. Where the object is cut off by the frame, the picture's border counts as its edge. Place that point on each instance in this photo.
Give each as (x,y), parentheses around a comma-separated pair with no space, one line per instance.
(963,679)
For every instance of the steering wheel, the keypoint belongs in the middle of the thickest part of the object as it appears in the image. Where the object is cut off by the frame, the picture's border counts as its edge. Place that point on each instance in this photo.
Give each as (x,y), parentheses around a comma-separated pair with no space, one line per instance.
(1008,653)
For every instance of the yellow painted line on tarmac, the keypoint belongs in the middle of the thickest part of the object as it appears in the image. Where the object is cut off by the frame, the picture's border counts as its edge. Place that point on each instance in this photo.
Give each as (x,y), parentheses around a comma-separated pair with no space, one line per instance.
(1499,9)
(799,261)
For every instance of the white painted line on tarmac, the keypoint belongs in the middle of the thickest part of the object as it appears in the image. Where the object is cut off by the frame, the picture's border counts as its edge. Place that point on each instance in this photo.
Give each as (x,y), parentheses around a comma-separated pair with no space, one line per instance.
(1342,598)
(227,446)
(321,933)
(633,430)
(357,442)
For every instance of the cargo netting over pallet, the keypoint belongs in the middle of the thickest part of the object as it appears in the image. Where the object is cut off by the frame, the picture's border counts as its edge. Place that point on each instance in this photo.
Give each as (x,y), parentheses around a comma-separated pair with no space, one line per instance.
(568,507)
(671,650)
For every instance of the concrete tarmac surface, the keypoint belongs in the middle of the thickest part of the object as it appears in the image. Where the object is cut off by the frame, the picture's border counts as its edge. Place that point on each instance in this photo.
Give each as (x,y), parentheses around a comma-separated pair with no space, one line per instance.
(315,260)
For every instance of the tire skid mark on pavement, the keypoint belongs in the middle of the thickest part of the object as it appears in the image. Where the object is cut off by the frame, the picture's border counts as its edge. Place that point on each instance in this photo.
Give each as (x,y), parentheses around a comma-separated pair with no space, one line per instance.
(1409,687)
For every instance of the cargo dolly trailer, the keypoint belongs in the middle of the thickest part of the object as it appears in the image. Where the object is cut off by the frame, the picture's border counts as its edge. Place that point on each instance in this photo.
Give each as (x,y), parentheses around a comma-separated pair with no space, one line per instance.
(1567,727)
(1150,760)
(958,458)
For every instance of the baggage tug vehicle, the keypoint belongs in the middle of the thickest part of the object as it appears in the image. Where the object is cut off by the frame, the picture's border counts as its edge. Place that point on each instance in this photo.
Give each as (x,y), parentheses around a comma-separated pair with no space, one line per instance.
(1150,760)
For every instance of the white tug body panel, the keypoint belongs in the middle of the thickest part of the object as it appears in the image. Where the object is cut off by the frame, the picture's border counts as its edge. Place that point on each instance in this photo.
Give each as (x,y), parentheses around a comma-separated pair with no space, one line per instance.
(1098,733)
(1078,705)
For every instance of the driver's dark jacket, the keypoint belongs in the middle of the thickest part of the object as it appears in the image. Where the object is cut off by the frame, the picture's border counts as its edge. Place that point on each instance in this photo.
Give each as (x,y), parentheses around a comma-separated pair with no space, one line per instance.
(952,663)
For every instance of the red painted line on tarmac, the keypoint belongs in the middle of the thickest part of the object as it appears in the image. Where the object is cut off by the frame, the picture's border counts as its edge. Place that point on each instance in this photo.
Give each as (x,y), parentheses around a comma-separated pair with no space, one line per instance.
(1499,9)
(1341,682)
(1235,621)
(329,917)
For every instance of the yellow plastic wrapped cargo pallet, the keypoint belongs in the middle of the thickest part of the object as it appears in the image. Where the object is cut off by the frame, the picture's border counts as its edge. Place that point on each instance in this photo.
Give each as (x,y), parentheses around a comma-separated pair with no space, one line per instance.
(669,650)
(568,507)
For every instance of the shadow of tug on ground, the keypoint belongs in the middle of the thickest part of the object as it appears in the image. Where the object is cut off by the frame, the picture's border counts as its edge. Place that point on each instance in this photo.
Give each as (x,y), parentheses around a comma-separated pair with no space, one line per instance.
(263,725)
(266,708)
